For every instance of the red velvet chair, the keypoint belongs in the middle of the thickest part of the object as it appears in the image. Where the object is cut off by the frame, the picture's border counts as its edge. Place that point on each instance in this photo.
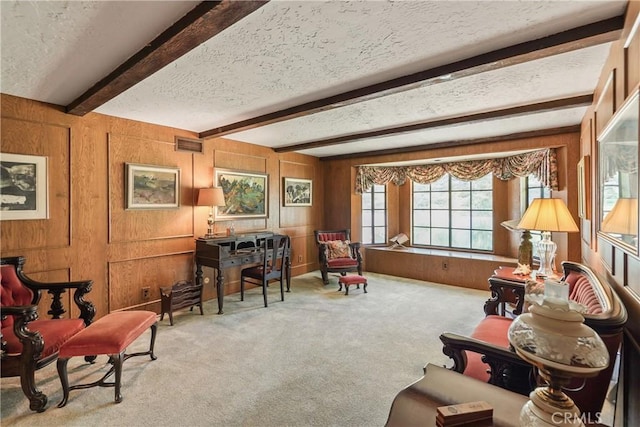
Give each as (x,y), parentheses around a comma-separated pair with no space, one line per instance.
(486,355)
(28,343)
(337,253)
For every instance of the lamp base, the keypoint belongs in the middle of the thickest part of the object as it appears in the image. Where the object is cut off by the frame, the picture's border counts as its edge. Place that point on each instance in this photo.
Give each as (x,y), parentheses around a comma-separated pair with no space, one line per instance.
(546,408)
(547,253)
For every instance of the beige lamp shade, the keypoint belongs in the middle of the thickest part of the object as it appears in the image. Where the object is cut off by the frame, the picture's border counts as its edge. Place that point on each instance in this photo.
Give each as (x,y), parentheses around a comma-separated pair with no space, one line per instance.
(548,215)
(623,218)
(210,197)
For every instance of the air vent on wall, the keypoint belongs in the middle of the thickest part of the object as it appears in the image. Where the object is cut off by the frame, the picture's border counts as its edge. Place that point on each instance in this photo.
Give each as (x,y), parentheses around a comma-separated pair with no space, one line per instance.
(190,145)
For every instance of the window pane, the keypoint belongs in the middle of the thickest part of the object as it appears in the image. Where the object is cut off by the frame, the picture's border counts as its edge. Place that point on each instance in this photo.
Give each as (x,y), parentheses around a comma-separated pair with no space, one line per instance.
(421,187)
(377,188)
(380,234)
(461,239)
(421,236)
(440,236)
(422,201)
(366,235)
(484,183)
(440,218)
(483,200)
(481,240)
(482,220)
(421,218)
(366,218)
(439,200)
(366,200)
(457,184)
(460,200)
(461,219)
(441,185)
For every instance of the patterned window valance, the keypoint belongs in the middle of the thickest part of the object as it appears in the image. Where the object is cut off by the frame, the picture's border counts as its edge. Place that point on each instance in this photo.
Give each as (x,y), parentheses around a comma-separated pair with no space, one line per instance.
(542,163)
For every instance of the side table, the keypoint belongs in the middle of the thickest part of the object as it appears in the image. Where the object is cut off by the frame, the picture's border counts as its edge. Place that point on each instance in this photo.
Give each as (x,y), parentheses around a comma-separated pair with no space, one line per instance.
(506,288)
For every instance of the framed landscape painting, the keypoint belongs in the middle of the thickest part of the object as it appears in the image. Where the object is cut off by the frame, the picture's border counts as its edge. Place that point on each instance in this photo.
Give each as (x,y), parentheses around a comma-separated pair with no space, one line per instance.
(24,192)
(245,194)
(297,192)
(152,187)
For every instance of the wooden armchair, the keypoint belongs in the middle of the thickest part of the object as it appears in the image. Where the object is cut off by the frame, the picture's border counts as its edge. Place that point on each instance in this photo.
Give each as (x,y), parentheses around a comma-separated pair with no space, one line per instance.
(28,344)
(486,355)
(337,253)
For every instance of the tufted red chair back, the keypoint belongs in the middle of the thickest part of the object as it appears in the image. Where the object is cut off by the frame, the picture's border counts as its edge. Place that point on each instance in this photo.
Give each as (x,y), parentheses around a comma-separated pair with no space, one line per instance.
(12,292)
(325,236)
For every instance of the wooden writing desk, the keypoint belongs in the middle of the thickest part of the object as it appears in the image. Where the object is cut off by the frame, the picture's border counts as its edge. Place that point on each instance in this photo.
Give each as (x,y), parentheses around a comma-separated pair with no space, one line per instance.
(232,251)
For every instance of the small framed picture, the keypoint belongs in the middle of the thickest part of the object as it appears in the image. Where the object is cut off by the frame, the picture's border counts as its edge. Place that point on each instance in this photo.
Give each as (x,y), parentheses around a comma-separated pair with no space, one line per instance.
(152,187)
(297,192)
(24,192)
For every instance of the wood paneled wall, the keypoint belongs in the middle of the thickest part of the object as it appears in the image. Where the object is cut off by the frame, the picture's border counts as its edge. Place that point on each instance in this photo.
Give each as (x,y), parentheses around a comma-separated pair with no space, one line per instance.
(90,234)
(619,79)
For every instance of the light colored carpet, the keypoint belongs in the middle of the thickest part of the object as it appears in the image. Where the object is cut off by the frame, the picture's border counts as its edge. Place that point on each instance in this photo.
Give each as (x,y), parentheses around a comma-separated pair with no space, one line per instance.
(319,358)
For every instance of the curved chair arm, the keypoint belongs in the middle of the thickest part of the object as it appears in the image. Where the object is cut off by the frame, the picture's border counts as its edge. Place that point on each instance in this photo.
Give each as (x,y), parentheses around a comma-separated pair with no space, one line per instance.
(355,251)
(56,289)
(506,369)
(32,341)
(322,253)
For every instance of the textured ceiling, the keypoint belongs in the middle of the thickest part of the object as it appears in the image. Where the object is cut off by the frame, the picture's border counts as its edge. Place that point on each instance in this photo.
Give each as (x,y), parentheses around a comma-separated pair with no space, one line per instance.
(287,53)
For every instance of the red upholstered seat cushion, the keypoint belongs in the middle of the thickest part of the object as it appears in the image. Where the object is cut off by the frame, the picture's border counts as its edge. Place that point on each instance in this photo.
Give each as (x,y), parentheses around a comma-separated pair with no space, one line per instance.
(55,332)
(352,279)
(342,262)
(111,334)
(492,329)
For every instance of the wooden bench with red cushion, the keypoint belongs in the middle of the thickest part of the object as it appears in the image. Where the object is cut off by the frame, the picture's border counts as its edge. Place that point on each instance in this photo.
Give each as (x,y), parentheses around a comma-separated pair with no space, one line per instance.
(110,335)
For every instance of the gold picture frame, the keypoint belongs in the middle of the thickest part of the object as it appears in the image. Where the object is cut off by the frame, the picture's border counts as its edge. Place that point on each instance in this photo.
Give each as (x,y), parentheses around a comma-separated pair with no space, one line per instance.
(584,178)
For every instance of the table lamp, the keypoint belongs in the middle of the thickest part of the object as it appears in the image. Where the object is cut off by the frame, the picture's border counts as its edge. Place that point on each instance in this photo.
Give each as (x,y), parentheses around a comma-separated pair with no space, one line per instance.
(211,197)
(622,219)
(547,215)
(553,338)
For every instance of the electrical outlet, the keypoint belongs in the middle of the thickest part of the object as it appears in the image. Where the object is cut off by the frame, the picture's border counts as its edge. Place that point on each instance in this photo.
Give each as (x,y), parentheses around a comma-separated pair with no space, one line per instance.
(445,265)
(146,293)
(299,258)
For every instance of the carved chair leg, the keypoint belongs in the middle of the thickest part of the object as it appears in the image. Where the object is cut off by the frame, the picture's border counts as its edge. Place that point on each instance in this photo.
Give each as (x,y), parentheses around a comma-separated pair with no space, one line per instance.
(37,399)
(64,379)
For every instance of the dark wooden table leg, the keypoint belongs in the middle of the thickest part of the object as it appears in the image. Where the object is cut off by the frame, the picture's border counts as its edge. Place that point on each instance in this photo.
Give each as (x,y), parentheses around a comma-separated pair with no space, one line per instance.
(220,291)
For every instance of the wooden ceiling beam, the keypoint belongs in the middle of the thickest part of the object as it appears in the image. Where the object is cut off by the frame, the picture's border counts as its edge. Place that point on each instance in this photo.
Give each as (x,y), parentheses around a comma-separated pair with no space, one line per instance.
(457,143)
(576,38)
(539,107)
(199,25)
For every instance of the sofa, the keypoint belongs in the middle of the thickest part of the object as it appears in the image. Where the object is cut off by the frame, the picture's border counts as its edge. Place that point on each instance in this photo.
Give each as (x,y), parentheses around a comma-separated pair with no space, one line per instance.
(487,355)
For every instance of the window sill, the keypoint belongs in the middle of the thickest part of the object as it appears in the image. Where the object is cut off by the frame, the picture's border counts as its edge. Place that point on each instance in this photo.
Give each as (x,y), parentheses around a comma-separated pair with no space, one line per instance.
(450,254)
